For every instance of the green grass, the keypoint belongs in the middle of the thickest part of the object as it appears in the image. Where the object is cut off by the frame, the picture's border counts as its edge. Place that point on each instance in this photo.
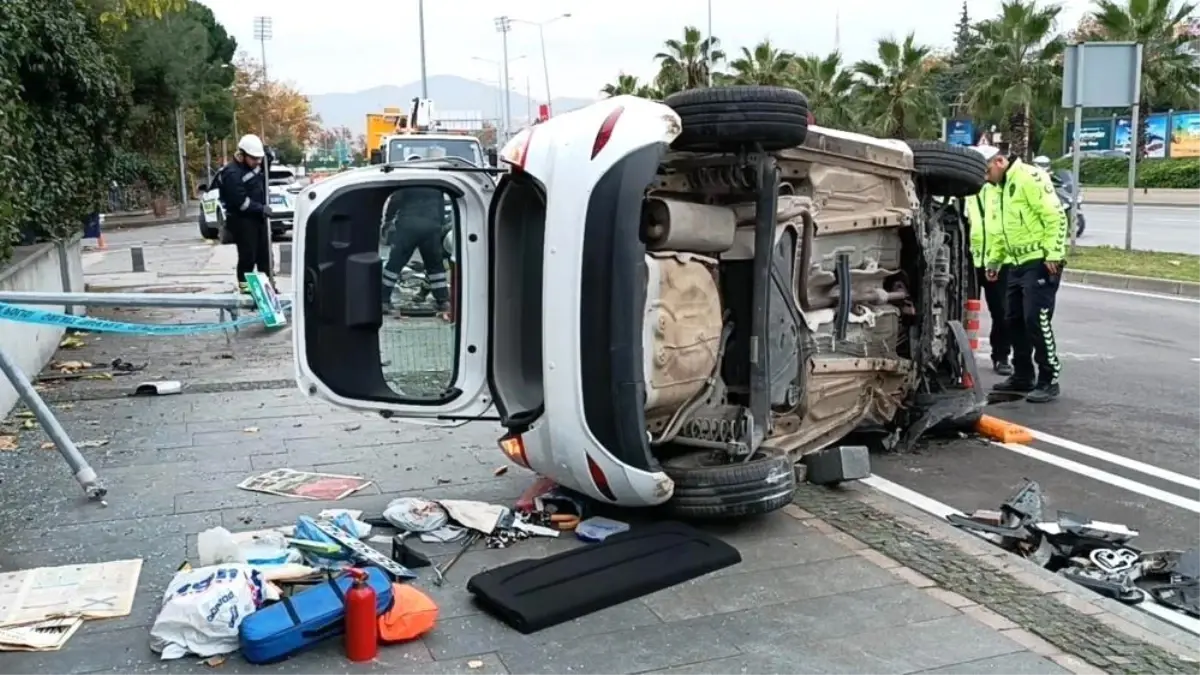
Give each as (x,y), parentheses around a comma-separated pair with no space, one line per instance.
(1173,266)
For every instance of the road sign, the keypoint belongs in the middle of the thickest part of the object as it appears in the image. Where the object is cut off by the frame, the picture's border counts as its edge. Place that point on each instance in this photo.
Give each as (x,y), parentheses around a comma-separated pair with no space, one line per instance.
(1101,75)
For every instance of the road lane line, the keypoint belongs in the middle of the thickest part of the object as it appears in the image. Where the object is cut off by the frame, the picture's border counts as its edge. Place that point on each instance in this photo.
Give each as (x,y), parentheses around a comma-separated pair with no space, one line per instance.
(1118,460)
(1138,294)
(936,508)
(1103,476)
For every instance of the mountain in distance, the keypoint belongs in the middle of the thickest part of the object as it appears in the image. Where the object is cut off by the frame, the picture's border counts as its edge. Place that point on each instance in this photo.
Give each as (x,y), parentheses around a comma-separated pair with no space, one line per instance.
(451,94)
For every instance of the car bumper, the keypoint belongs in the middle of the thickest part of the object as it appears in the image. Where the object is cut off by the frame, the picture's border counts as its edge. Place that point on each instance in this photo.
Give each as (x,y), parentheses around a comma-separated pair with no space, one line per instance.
(282,222)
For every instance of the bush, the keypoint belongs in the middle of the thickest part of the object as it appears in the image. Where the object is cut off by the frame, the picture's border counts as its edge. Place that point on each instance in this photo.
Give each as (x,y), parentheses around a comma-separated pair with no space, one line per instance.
(1181,172)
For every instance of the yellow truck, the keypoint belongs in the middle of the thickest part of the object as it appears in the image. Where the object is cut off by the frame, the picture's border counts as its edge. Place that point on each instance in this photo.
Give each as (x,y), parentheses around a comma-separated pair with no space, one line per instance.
(381,125)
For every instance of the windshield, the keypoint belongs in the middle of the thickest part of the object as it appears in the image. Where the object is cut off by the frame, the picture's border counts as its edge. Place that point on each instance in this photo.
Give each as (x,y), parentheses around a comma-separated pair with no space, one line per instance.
(405,149)
(283,177)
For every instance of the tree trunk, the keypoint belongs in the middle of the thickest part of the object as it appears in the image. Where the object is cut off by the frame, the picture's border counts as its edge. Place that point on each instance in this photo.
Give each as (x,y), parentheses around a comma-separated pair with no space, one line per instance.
(1138,140)
(1017,133)
(1028,132)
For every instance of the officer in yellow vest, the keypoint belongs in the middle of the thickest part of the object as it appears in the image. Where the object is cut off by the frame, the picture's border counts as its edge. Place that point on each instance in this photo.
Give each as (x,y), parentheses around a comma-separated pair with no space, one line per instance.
(1029,238)
(980,208)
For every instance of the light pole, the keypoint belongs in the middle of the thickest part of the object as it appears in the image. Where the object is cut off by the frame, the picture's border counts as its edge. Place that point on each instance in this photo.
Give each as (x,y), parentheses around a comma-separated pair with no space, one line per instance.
(503,25)
(499,78)
(421,23)
(262,33)
(541,26)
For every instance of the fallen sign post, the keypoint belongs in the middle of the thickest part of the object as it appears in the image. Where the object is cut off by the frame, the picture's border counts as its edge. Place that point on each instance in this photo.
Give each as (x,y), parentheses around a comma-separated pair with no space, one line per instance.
(83,472)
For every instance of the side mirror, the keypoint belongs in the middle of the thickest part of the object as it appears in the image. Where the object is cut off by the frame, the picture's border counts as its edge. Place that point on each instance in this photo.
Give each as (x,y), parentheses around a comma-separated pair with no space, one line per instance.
(493,157)
(376,157)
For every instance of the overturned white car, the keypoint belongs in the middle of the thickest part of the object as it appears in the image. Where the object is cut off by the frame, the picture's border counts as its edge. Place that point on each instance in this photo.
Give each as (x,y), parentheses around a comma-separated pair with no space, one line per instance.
(664,303)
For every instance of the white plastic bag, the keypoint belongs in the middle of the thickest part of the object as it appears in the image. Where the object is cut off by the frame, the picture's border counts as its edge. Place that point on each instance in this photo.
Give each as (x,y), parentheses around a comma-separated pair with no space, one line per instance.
(202,610)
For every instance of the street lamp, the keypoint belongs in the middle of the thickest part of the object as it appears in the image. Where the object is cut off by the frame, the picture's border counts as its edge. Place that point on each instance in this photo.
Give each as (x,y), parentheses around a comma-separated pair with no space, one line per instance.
(503,25)
(421,28)
(262,33)
(541,26)
(499,77)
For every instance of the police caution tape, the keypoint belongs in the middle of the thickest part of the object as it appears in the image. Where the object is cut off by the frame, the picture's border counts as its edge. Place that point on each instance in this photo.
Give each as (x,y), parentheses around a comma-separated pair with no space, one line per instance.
(86,323)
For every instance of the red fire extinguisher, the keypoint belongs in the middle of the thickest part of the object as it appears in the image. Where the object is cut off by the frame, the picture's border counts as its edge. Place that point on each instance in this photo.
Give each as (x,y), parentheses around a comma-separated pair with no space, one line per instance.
(361,623)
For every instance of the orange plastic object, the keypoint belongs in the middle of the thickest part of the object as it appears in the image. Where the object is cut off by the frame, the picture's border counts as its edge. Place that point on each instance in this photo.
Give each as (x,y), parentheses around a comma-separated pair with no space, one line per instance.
(1002,431)
(412,615)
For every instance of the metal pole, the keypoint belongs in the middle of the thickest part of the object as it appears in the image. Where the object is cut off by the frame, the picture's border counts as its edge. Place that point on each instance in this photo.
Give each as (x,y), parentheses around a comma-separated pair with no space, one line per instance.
(1075,158)
(207,160)
(1135,131)
(266,86)
(84,474)
(545,70)
(168,300)
(183,199)
(421,23)
(528,101)
(708,54)
(503,24)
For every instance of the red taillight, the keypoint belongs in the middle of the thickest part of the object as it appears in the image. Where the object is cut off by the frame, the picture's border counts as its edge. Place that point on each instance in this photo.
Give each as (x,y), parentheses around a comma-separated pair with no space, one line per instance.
(600,479)
(606,130)
(516,150)
(811,120)
(514,448)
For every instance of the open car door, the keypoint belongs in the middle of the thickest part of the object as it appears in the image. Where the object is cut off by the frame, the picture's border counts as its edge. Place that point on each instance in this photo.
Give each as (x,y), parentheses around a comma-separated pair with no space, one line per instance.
(392,313)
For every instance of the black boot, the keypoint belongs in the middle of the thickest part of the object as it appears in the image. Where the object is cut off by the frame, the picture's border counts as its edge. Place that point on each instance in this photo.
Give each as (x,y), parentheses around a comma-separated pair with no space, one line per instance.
(1014,385)
(1002,367)
(1043,393)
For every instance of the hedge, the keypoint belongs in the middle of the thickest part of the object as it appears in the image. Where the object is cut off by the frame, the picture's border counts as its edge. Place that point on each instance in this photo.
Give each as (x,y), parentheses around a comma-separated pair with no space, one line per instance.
(1181,172)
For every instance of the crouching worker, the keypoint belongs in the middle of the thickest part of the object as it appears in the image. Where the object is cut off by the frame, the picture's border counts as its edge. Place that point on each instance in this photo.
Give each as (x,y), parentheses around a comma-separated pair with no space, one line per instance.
(1031,240)
(243,194)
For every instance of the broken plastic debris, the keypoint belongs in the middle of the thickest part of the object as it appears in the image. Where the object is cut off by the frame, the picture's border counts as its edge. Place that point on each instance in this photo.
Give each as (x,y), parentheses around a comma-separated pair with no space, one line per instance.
(158,388)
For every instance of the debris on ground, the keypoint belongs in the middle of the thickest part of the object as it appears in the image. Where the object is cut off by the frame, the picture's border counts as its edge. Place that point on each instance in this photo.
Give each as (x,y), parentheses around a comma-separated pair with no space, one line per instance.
(41,608)
(158,388)
(1094,554)
(71,342)
(44,636)
(203,609)
(303,484)
(8,443)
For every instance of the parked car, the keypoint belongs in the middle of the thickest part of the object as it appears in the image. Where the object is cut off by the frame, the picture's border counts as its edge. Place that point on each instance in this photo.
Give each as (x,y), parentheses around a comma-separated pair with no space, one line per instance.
(670,303)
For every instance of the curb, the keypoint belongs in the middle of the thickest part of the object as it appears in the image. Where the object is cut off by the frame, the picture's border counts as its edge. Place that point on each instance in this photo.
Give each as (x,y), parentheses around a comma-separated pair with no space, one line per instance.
(1106,201)
(110,224)
(1187,289)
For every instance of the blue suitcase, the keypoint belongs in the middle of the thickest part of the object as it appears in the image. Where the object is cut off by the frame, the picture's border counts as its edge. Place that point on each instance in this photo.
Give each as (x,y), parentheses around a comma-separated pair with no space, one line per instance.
(294,624)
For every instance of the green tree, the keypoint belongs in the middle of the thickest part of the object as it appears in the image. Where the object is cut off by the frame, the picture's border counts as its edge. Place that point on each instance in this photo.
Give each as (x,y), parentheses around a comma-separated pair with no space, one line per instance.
(828,85)
(893,93)
(1016,67)
(624,85)
(765,65)
(1170,75)
(684,64)
(952,80)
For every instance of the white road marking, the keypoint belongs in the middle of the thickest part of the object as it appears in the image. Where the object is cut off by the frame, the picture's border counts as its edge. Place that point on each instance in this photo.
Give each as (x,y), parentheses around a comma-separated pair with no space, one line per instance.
(1103,476)
(1195,360)
(936,508)
(1119,460)
(1139,294)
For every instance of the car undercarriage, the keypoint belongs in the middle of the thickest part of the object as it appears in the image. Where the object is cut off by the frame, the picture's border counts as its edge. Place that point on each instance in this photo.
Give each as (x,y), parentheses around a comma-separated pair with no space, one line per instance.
(798,292)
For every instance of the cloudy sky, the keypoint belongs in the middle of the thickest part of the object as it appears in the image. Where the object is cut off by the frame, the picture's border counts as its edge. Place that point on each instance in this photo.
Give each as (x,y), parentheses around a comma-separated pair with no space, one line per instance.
(326,46)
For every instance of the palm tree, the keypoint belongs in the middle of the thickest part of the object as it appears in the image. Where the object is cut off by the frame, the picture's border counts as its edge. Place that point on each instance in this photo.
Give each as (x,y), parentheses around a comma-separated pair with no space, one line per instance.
(685,64)
(828,86)
(893,93)
(766,65)
(1170,75)
(1015,67)
(625,84)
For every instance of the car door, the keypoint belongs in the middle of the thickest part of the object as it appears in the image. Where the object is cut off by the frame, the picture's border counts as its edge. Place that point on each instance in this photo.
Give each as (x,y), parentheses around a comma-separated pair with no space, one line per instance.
(407,360)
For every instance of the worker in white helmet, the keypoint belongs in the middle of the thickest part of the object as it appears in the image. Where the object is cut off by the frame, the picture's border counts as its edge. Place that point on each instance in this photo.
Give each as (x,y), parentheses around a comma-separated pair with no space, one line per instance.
(1042,162)
(244,195)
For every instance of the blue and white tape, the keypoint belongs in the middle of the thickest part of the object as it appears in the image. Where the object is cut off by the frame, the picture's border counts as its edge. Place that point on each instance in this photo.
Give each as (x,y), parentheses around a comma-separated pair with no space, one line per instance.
(86,323)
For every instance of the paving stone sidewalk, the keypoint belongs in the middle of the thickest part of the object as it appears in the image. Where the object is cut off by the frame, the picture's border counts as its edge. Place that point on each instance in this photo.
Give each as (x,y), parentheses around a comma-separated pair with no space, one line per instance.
(836,584)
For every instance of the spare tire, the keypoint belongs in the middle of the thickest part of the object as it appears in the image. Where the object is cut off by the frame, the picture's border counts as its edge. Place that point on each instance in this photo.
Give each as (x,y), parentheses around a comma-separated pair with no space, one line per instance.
(709,487)
(730,118)
(949,170)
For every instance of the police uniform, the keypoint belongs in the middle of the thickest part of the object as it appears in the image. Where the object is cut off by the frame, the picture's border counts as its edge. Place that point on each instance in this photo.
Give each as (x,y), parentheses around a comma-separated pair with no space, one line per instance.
(1031,230)
(981,208)
(418,217)
(243,195)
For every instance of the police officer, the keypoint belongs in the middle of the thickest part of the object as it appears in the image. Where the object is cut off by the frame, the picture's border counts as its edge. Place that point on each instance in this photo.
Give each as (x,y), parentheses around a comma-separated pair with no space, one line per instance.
(244,195)
(1042,162)
(418,225)
(980,208)
(1030,237)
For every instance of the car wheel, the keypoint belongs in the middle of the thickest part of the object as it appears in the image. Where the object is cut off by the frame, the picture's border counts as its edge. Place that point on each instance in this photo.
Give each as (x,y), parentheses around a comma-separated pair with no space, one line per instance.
(948,170)
(206,230)
(708,486)
(730,118)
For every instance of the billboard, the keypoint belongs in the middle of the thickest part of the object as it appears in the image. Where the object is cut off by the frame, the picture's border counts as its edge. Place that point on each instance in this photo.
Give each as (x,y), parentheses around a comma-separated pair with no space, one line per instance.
(960,132)
(1155,129)
(1094,135)
(1185,135)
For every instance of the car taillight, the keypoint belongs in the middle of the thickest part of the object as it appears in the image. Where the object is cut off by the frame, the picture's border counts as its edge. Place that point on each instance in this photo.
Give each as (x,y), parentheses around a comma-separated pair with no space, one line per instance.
(514,448)
(517,149)
(606,130)
(600,479)
(811,120)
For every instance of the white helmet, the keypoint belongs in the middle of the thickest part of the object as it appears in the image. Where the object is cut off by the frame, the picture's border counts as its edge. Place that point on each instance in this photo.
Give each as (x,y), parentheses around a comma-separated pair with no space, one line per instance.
(1041,162)
(987,151)
(252,146)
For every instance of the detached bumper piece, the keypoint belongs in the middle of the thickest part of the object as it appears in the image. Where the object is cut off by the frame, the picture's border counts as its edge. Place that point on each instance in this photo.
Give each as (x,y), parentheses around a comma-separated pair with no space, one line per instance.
(530,595)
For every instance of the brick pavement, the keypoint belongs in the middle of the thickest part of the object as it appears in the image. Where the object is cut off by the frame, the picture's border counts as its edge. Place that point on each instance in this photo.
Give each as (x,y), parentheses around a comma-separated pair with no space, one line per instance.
(838,585)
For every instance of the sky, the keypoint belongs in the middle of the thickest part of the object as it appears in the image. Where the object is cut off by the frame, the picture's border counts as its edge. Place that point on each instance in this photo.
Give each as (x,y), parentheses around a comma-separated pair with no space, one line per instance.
(326,46)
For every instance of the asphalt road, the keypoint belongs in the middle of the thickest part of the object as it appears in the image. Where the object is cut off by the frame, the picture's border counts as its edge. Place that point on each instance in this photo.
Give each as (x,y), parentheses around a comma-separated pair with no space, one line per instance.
(1122,444)
(1155,228)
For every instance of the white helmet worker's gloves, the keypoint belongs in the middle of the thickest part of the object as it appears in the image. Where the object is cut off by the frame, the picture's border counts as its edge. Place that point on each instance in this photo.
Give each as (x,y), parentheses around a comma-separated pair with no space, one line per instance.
(251,145)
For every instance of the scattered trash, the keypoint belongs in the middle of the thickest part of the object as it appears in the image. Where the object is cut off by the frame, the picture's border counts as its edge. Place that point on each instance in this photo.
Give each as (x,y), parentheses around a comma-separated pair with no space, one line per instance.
(412,615)
(413,514)
(93,591)
(599,528)
(213,661)
(123,366)
(203,609)
(500,471)
(158,388)
(352,427)
(44,636)
(303,484)
(8,443)
(1094,554)
(97,443)
(475,665)
(70,366)
(48,445)
(71,342)
(250,430)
